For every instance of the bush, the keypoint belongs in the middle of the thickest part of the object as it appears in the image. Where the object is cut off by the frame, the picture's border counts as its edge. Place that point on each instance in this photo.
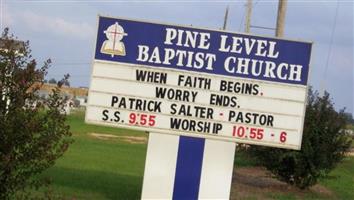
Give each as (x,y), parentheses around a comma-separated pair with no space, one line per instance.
(324,145)
(33,133)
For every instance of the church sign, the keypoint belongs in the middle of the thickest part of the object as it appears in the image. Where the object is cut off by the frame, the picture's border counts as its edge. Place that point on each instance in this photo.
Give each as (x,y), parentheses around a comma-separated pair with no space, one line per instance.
(199,82)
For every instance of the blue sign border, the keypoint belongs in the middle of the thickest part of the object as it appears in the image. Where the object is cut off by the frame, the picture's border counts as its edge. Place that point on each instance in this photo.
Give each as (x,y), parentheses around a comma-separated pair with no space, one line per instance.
(153,35)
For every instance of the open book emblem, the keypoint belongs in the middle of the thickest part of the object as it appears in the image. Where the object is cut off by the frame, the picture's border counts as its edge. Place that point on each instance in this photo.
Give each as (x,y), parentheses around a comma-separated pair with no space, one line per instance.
(113,45)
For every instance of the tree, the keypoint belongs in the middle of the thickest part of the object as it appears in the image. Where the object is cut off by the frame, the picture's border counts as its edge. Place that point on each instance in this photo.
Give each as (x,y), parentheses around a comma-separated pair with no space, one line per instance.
(349,118)
(52,81)
(324,145)
(33,133)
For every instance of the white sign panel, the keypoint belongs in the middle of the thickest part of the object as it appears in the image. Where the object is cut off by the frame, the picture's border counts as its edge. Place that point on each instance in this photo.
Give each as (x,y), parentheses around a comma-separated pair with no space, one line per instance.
(200,83)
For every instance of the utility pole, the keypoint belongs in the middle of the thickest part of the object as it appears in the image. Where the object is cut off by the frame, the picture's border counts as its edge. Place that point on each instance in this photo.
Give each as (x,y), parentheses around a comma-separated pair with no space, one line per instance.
(248,16)
(281,18)
(225,18)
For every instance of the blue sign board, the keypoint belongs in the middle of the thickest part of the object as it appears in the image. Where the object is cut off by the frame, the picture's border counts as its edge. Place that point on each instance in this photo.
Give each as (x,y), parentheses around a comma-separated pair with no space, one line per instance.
(201,50)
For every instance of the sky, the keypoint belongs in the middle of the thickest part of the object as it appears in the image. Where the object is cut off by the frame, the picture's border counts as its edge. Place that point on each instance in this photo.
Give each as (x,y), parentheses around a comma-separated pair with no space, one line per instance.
(65,32)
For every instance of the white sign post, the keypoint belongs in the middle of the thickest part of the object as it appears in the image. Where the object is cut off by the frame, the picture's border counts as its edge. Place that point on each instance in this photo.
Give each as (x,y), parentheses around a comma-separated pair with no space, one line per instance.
(160,170)
(206,90)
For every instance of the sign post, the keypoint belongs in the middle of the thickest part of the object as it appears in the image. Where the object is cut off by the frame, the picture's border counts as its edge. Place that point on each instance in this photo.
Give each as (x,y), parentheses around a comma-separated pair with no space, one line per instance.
(197,92)
(181,167)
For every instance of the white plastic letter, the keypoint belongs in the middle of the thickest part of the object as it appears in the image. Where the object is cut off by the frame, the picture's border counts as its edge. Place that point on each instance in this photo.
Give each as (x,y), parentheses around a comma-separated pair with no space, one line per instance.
(171,34)
(143,53)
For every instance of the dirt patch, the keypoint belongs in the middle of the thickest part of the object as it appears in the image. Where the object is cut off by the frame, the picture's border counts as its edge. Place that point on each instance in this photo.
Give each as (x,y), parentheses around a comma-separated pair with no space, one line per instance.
(258,183)
(129,139)
(350,152)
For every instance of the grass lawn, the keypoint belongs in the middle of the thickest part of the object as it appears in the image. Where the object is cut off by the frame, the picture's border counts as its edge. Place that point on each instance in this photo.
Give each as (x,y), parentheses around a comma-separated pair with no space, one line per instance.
(93,168)
(99,169)
(341,180)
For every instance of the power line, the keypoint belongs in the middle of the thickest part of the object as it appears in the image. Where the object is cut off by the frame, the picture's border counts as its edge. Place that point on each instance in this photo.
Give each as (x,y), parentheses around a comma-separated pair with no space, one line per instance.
(330,48)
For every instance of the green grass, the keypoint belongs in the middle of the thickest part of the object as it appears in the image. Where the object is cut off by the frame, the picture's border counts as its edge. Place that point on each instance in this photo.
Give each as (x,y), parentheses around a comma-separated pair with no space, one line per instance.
(341,179)
(98,169)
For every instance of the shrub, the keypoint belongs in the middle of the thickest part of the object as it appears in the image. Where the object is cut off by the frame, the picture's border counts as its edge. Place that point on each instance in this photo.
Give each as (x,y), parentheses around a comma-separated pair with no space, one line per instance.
(324,145)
